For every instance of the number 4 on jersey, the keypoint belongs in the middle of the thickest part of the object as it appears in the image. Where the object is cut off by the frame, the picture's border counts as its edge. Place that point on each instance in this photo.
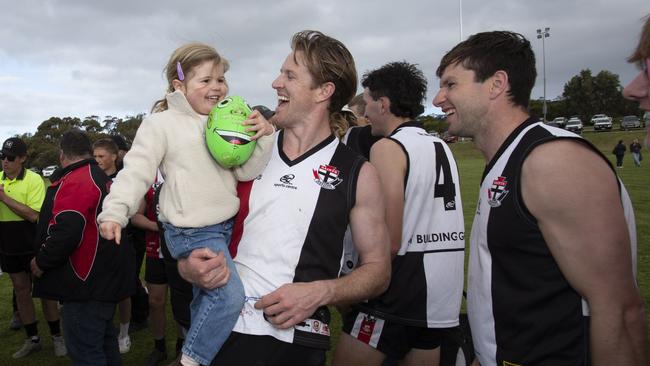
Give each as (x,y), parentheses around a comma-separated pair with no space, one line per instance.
(446,190)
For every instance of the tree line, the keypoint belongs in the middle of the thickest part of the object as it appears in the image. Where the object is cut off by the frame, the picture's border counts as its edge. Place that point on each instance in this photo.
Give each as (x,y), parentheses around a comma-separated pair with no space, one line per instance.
(43,145)
(584,95)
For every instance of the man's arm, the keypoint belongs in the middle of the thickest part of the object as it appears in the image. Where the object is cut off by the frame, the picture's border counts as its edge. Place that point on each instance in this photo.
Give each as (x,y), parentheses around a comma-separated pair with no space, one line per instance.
(141,221)
(294,302)
(23,210)
(390,161)
(574,196)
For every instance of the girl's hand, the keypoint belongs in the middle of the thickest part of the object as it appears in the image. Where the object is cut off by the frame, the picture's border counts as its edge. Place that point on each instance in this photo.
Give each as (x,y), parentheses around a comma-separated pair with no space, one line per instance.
(258,123)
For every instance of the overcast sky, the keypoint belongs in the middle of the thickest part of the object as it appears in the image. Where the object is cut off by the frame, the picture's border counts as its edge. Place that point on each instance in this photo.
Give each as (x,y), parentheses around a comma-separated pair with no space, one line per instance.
(78,58)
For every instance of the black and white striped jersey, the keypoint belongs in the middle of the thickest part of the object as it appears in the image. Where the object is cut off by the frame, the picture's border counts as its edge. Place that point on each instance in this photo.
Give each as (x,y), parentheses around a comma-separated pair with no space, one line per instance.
(522,310)
(427,273)
(290,228)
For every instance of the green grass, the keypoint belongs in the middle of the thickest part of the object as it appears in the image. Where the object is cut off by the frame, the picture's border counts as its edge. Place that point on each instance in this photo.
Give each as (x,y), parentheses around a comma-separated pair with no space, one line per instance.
(471,166)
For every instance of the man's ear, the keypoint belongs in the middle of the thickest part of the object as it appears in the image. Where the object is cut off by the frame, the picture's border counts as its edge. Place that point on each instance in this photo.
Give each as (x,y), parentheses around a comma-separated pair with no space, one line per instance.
(178,85)
(384,103)
(326,90)
(499,84)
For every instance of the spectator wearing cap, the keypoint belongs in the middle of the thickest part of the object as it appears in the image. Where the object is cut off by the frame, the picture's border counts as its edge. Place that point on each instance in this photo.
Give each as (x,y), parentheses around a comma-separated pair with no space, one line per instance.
(21,196)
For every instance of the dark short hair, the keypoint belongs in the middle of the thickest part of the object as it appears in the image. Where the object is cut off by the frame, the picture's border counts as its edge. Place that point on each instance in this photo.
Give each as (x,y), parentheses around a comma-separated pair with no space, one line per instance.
(75,143)
(120,142)
(402,83)
(488,52)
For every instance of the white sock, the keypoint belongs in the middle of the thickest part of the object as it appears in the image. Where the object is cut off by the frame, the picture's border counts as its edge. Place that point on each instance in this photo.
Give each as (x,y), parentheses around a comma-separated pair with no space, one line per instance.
(188,361)
(124,330)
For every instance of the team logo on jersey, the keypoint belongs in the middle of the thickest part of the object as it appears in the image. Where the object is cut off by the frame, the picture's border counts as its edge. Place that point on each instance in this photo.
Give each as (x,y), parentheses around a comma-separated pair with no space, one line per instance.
(497,192)
(327,176)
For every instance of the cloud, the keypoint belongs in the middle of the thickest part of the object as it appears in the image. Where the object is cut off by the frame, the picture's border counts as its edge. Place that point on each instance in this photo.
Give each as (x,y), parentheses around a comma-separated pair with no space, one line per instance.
(76,58)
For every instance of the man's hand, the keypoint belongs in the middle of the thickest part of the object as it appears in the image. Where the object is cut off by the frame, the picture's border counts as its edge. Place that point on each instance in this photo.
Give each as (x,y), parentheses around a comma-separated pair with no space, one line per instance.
(3,195)
(259,124)
(111,230)
(36,270)
(205,268)
(293,302)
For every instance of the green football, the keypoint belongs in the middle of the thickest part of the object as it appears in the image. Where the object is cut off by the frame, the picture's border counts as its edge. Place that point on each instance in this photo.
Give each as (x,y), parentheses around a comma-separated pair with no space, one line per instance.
(229,143)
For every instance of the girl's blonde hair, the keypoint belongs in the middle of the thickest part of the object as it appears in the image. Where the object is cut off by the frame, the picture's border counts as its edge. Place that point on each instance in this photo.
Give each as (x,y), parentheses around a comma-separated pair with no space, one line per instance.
(187,57)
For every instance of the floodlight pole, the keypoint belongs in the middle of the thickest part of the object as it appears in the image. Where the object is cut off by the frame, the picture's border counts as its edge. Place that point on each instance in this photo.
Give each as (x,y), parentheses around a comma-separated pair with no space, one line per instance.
(544,34)
(460,19)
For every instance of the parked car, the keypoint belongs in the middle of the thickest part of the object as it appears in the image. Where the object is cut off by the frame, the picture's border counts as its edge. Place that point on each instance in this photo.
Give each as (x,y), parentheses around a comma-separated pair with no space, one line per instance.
(559,122)
(47,171)
(574,124)
(601,122)
(630,122)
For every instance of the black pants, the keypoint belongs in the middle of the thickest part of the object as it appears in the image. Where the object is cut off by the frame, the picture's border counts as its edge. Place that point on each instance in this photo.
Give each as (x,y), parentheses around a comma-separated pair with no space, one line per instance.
(619,160)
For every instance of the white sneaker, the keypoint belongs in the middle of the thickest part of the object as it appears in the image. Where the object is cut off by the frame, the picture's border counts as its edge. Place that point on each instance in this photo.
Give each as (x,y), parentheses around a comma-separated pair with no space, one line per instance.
(124,343)
(60,349)
(28,348)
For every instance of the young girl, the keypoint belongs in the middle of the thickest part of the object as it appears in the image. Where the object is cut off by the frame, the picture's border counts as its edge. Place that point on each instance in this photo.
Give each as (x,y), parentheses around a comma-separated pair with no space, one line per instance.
(199,198)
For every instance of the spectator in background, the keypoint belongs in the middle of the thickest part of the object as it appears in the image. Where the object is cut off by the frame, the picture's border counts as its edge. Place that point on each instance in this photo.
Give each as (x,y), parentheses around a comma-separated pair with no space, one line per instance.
(639,88)
(635,150)
(359,137)
(122,149)
(358,106)
(107,155)
(21,196)
(619,152)
(155,274)
(74,265)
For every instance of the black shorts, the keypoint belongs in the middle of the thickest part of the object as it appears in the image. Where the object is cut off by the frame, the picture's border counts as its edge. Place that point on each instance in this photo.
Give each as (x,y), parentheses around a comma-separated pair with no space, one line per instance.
(16,263)
(390,338)
(245,349)
(154,271)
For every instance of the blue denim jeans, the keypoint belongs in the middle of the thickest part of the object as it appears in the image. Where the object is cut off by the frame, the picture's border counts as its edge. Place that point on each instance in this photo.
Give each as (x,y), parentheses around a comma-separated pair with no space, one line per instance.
(90,336)
(637,158)
(214,312)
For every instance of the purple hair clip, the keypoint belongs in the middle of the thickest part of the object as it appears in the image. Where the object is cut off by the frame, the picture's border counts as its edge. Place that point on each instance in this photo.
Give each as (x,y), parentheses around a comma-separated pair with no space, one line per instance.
(179,71)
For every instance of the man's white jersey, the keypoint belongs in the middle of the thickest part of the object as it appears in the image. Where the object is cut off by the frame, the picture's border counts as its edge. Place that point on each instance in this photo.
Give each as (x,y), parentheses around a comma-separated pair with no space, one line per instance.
(427,273)
(290,229)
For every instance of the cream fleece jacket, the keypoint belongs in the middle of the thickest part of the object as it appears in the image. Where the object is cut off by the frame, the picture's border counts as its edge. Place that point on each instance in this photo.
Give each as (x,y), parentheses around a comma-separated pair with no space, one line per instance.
(197,192)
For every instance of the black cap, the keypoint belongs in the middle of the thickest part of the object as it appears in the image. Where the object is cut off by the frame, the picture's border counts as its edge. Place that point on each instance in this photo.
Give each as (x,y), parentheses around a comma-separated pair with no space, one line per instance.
(14,147)
(120,142)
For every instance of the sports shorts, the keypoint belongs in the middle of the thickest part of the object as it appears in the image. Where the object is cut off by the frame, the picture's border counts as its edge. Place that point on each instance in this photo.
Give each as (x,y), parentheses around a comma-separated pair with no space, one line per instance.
(154,271)
(16,263)
(390,338)
(246,349)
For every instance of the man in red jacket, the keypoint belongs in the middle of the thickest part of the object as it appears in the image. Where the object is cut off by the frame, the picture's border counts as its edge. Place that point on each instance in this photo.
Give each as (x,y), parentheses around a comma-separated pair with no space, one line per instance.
(74,265)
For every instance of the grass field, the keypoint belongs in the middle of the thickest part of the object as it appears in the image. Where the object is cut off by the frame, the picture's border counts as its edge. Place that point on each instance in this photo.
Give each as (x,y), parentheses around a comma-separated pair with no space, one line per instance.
(471,166)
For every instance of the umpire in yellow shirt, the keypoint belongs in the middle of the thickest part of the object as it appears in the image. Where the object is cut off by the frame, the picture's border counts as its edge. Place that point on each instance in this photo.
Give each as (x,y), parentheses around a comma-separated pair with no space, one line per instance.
(21,196)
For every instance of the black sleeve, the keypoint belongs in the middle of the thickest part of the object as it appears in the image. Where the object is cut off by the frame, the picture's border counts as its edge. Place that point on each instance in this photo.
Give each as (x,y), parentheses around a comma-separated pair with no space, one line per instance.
(63,237)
